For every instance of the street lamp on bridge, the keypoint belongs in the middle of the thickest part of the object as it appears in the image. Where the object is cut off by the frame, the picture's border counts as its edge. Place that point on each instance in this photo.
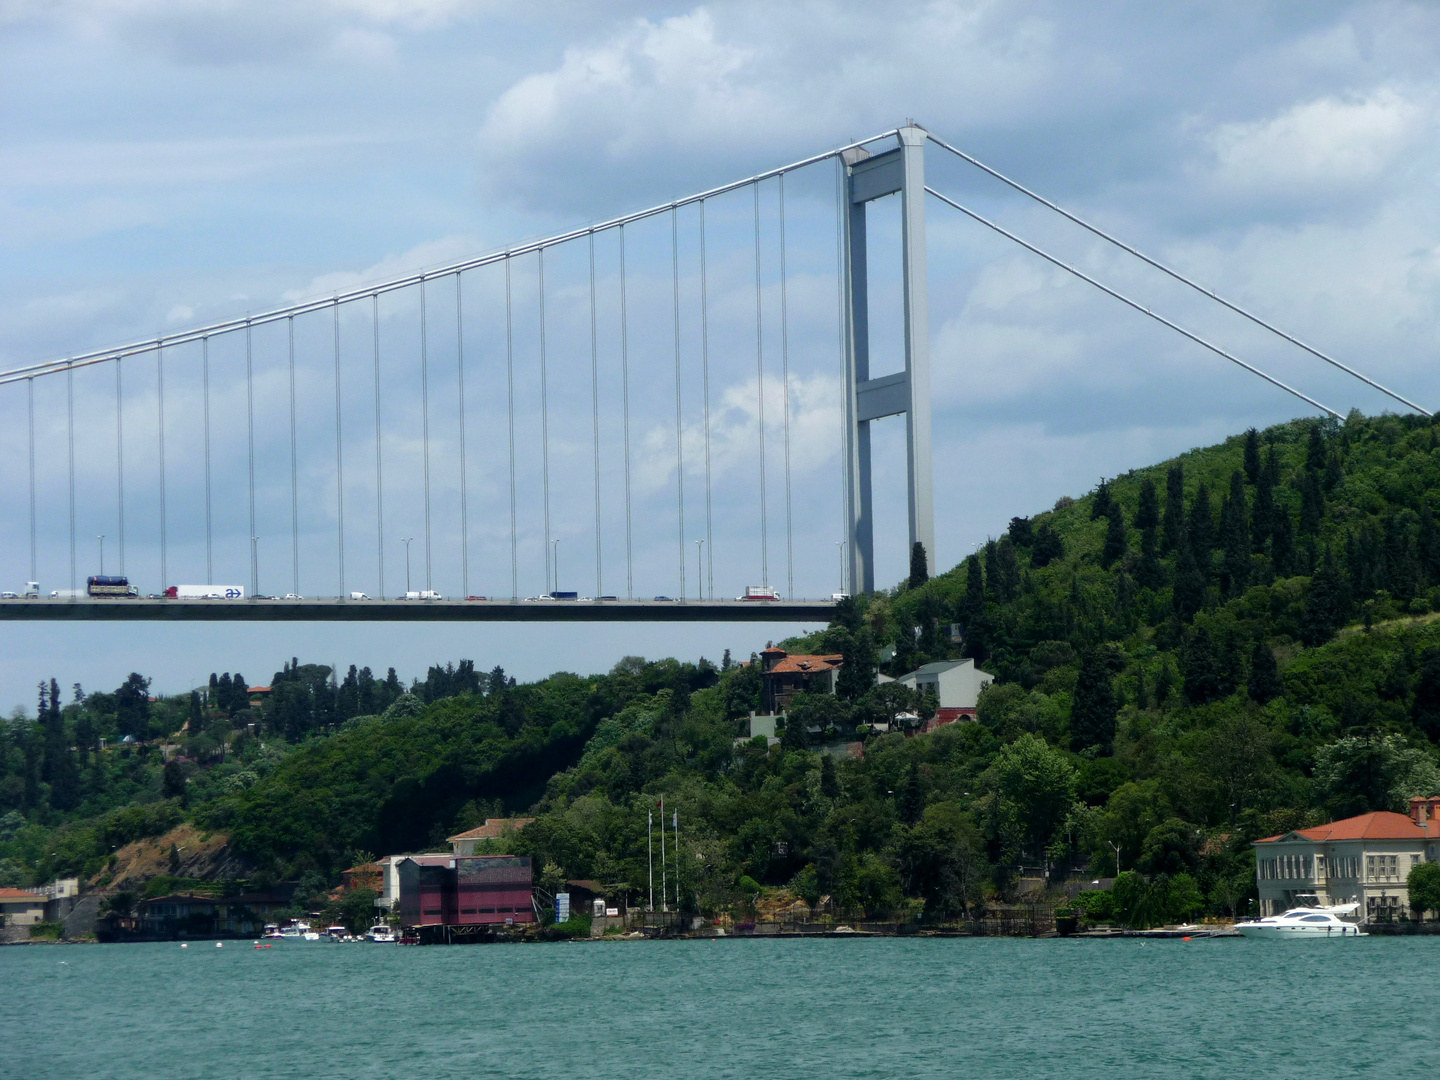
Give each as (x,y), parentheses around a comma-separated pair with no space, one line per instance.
(406,540)
(101,538)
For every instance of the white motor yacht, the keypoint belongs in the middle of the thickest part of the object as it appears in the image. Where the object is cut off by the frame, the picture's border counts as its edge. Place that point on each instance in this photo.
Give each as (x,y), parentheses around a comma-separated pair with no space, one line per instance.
(1304,922)
(382,934)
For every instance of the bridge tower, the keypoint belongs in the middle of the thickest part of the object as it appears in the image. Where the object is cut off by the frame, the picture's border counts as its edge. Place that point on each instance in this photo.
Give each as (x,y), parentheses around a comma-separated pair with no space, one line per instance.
(868,177)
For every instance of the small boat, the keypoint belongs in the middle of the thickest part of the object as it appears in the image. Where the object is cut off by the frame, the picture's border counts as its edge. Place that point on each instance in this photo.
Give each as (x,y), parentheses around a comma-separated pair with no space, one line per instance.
(1304,922)
(272,931)
(338,933)
(381,933)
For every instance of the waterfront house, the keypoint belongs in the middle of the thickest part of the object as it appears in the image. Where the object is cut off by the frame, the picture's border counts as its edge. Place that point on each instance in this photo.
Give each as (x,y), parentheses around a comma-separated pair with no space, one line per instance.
(494,829)
(1364,860)
(475,890)
(20,907)
(197,915)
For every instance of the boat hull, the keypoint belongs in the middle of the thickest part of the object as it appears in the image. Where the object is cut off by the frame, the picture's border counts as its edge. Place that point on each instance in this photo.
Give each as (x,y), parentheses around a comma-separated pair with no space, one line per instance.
(1277,933)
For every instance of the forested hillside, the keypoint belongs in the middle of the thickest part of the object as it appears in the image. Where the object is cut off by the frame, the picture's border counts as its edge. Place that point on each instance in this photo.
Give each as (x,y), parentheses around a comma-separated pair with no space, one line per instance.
(1193,655)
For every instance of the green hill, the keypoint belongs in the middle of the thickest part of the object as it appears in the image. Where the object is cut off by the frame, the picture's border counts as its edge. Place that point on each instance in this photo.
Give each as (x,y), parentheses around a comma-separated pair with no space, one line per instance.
(1193,655)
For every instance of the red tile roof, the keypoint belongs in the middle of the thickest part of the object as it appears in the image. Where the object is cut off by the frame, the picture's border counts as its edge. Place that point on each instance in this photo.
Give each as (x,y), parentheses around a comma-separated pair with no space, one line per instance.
(807,665)
(1376,825)
(493,828)
(20,894)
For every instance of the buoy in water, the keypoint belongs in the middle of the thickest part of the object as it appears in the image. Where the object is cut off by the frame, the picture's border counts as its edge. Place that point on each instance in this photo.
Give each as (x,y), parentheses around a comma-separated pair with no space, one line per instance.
(184,945)
(219,944)
(1185,938)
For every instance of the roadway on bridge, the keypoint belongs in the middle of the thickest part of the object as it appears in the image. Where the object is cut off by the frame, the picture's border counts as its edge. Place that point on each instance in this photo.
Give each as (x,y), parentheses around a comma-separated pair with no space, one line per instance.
(144,610)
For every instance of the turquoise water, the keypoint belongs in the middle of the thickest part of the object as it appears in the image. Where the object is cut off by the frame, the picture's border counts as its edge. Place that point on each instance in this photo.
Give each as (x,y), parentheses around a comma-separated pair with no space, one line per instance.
(823,1009)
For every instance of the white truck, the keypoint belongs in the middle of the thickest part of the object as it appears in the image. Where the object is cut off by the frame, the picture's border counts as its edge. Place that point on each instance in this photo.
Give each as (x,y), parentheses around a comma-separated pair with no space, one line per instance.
(759,592)
(424,594)
(205,592)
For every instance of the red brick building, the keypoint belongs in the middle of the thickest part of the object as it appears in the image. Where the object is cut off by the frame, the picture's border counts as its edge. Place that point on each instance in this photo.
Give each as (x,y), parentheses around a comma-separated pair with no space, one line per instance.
(465,891)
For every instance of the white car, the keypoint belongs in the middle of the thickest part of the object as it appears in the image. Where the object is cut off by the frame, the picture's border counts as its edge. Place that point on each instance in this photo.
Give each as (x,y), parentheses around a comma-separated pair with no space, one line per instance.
(358,596)
(293,596)
(7,595)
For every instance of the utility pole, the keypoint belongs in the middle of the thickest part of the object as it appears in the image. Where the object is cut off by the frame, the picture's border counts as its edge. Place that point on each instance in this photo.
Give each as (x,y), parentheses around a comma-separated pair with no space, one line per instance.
(664,879)
(650,854)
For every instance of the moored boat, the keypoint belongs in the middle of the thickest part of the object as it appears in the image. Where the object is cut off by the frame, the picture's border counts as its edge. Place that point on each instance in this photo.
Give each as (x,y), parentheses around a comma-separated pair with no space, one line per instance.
(1304,922)
(381,933)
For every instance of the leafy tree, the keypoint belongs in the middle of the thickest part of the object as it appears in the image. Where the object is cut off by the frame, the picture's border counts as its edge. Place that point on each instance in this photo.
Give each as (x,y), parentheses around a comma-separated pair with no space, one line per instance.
(1327,604)
(1264,684)
(1359,773)
(1021,532)
(1033,786)
(1423,883)
(132,707)
(1172,847)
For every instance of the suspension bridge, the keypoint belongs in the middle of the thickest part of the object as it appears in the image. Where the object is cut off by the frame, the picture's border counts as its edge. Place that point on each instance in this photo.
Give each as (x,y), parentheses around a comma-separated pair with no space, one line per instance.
(639,403)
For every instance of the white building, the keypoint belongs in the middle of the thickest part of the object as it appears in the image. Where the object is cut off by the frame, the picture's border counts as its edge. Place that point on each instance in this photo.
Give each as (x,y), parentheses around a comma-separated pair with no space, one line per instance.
(955,684)
(21,907)
(1363,860)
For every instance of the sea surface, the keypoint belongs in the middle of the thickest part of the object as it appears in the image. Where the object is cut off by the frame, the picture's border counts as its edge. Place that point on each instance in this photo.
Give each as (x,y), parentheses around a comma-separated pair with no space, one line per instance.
(819,1009)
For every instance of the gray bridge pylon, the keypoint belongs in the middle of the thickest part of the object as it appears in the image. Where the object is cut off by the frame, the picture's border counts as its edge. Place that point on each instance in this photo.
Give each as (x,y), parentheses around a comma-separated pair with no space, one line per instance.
(868,177)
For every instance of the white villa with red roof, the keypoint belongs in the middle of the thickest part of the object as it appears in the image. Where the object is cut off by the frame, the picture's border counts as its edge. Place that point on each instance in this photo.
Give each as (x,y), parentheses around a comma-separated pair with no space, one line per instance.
(1363,860)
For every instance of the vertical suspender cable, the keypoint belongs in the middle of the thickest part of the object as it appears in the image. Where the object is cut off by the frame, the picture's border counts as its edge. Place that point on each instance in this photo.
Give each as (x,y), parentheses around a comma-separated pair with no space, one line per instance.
(785,399)
(510,406)
(545,429)
(30,399)
(70,451)
(119,468)
(705,380)
(845,514)
(760,392)
(595,419)
(205,395)
(625,412)
(294,468)
(425,427)
(460,376)
(160,403)
(679,430)
(339,463)
(379,456)
(250,450)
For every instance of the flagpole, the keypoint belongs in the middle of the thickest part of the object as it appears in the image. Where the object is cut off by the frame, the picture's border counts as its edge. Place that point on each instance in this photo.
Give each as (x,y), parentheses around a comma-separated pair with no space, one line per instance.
(675,821)
(664,886)
(650,853)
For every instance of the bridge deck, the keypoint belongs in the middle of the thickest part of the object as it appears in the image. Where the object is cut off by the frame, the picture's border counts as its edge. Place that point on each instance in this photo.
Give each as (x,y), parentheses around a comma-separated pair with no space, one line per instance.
(818,611)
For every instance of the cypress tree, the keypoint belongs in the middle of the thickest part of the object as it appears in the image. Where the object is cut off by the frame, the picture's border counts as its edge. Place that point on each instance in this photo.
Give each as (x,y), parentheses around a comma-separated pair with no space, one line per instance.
(1262,514)
(1426,709)
(1429,546)
(1093,705)
(1252,455)
(919,566)
(1235,540)
(1264,683)
(994,589)
(1174,507)
(1315,449)
(1327,605)
(197,714)
(1282,543)
(1020,532)
(1312,503)
(1202,528)
(1048,547)
(974,587)
(1100,507)
(1200,667)
(1007,567)
(1149,573)
(1115,546)
(912,795)
(1147,513)
(1189,593)
(829,782)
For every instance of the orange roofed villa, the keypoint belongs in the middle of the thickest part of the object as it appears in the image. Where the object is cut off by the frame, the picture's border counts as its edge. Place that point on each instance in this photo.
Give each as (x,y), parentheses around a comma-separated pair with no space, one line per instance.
(1361,860)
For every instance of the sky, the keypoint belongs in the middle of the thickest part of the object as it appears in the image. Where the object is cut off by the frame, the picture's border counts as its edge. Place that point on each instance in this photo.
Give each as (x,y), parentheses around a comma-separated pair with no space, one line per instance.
(169,163)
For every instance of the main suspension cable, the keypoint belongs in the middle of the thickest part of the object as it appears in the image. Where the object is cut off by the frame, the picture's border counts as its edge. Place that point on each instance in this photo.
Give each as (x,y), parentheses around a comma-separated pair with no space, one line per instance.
(250,450)
(1173,273)
(1132,303)
(846,517)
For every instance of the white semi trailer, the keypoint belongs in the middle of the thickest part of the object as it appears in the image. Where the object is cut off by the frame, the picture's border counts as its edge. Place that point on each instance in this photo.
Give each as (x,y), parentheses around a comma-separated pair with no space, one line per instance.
(206,592)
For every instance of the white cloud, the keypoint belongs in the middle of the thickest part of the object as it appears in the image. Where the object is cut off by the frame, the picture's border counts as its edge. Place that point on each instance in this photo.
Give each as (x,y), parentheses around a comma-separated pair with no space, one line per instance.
(1326,143)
